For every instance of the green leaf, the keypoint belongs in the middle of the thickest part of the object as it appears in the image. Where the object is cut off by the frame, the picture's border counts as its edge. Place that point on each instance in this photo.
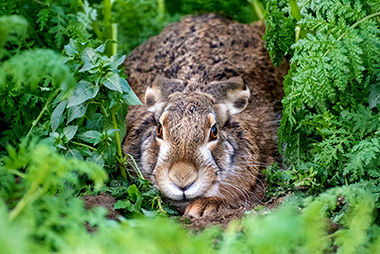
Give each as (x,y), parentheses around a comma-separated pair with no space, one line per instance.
(84,91)
(57,115)
(149,214)
(71,48)
(85,151)
(74,153)
(96,158)
(70,131)
(93,137)
(125,86)
(117,60)
(89,56)
(129,97)
(76,111)
(121,115)
(101,48)
(108,149)
(133,193)
(97,123)
(121,204)
(87,67)
(374,96)
(110,131)
(91,111)
(112,81)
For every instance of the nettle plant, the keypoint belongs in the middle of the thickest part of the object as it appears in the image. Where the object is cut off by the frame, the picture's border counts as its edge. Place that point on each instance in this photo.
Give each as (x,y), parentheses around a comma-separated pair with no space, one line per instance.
(90,123)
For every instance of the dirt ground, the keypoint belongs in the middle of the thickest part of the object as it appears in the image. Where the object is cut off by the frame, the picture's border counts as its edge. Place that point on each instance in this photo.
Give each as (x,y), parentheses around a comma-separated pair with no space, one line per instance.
(222,218)
(104,200)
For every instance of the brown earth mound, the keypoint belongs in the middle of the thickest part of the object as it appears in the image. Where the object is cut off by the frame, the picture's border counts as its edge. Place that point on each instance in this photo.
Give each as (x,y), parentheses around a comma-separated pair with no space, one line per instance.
(104,200)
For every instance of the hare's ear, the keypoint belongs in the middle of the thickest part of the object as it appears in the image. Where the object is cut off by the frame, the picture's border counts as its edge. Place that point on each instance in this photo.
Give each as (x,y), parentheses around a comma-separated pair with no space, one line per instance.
(158,92)
(230,95)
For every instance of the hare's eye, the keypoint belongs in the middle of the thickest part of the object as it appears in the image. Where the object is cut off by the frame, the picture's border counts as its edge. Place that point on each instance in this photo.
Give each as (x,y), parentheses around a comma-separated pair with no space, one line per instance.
(213,133)
(159,130)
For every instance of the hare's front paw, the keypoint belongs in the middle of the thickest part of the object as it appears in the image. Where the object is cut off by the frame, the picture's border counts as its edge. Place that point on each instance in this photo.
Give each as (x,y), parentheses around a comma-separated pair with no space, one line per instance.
(204,206)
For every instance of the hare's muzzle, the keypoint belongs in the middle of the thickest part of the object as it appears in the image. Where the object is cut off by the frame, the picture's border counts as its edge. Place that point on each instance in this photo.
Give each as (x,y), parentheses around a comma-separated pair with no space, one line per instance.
(183,175)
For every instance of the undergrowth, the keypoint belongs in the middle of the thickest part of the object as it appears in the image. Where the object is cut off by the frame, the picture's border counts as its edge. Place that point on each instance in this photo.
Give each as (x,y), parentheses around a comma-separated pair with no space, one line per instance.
(329,133)
(64,98)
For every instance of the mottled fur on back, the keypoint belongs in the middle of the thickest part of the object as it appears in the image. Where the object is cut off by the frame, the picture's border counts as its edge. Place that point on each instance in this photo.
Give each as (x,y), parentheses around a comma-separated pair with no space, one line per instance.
(201,73)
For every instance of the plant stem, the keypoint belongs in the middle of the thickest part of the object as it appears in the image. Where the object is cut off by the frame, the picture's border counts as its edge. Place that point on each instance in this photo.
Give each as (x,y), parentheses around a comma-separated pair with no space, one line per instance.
(298,30)
(104,110)
(29,197)
(295,10)
(107,26)
(95,26)
(160,209)
(113,114)
(118,143)
(136,168)
(300,33)
(17,173)
(84,145)
(114,38)
(35,122)
(161,9)
(298,150)
(258,8)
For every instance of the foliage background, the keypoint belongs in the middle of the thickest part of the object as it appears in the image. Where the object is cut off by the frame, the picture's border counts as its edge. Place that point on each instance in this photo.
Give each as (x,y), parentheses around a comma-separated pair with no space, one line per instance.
(63,104)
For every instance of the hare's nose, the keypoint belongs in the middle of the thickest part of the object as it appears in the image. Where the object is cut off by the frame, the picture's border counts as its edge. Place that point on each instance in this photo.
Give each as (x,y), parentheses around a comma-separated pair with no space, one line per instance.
(183,175)
(184,188)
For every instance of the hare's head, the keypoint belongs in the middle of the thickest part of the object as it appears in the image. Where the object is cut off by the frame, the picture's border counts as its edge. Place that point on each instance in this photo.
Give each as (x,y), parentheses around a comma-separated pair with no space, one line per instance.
(187,151)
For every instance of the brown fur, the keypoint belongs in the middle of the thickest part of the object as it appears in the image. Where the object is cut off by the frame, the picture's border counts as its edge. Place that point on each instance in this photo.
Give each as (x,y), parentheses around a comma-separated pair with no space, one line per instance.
(193,75)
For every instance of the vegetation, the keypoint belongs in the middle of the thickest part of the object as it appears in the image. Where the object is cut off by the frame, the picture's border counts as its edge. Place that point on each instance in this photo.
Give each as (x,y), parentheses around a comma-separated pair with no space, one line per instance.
(330,124)
(64,98)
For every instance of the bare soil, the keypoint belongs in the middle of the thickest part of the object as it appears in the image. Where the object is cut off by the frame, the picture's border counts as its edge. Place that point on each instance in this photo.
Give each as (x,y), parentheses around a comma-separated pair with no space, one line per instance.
(104,200)
(223,217)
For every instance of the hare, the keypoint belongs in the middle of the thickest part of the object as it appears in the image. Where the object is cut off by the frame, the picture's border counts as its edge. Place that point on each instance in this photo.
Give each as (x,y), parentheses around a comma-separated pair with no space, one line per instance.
(208,124)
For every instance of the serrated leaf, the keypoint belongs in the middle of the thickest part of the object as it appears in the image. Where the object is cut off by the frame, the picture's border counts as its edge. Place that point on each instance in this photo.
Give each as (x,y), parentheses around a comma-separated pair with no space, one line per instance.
(117,60)
(57,115)
(93,137)
(84,91)
(374,96)
(129,97)
(89,56)
(70,131)
(76,111)
(112,82)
